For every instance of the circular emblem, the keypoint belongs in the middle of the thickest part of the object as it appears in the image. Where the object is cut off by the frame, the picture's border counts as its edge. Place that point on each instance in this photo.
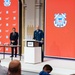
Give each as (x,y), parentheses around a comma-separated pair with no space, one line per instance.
(60,20)
(7,3)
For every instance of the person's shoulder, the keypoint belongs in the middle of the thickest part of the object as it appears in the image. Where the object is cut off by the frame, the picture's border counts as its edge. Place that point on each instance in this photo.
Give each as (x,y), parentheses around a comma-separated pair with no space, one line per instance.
(40,72)
(43,73)
(35,31)
(40,30)
(16,32)
(11,33)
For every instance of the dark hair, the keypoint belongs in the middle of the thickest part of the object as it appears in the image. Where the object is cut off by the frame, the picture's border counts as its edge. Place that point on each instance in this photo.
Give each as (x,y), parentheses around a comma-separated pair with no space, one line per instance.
(47,67)
(15,69)
(13,28)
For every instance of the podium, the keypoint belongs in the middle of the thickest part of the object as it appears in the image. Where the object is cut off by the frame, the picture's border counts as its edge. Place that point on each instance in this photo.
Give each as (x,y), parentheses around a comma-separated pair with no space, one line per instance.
(32,52)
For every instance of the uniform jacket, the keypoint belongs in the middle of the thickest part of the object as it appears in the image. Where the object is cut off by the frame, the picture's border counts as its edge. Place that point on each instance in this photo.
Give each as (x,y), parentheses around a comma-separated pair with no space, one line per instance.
(38,35)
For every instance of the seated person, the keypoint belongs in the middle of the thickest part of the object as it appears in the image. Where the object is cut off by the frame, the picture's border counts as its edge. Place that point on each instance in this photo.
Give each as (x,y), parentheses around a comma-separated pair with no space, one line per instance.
(14,68)
(46,70)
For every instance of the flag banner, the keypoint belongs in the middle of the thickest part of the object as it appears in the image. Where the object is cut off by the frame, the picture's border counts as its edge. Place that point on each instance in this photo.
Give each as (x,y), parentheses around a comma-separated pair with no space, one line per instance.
(9,18)
(60,28)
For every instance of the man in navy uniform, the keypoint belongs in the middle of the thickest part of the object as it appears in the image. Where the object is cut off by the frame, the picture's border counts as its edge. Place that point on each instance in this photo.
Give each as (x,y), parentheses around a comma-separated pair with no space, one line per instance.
(13,41)
(39,36)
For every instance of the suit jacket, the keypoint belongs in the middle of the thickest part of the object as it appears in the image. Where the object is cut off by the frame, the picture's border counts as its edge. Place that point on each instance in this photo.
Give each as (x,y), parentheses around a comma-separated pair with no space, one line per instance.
(14,37)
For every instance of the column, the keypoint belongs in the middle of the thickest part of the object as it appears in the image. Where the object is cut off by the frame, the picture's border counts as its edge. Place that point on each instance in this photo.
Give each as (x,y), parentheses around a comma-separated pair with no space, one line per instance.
(38,12)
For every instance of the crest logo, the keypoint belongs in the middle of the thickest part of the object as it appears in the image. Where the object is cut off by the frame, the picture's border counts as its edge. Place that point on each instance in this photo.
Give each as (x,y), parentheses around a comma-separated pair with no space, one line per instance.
(7,3)
(60,20)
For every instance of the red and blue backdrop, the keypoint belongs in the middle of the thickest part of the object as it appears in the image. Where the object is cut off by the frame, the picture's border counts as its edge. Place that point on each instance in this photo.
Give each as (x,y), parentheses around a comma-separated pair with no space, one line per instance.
(60,28)
(9,18)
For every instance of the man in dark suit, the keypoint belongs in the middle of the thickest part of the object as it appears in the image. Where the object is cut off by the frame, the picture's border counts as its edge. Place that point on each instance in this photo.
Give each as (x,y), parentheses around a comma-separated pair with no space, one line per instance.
(39,36)
(13,41)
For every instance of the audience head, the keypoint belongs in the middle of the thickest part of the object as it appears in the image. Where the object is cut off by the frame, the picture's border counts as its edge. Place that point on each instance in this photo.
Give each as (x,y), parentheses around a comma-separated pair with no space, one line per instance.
(14,68)
(47,68)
